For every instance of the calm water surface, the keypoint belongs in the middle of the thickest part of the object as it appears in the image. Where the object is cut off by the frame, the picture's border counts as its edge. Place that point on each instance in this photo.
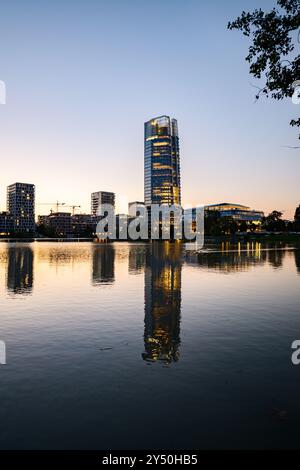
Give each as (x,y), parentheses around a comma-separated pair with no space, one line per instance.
(137,346)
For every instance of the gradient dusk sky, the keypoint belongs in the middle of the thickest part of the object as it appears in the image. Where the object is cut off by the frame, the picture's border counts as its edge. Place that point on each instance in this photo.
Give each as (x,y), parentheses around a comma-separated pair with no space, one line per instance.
(83,76)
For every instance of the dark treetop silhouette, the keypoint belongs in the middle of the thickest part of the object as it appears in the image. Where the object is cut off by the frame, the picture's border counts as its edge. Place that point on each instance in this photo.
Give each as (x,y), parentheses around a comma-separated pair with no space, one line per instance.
(272,54)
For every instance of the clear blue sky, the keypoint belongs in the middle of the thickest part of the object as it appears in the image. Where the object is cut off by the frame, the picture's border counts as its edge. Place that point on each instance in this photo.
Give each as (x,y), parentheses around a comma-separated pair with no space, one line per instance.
(82,76)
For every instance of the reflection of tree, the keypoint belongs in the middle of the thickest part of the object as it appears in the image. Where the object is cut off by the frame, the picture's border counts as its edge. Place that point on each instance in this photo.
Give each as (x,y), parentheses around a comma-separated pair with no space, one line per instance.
(103,264)
(275,257)
(297,259)
(20,269)
(63,254)
(162,302)
(229,258)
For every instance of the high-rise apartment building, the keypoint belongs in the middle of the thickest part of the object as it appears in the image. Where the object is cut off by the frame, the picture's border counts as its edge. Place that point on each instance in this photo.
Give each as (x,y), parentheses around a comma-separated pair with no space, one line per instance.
(20,205)
(161,163)
(101,197)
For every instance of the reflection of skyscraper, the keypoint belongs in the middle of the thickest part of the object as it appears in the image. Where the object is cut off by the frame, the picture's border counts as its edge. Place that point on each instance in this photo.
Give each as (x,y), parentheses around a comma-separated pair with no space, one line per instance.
(103,264)
(162,303)
(162,166)
(20,270)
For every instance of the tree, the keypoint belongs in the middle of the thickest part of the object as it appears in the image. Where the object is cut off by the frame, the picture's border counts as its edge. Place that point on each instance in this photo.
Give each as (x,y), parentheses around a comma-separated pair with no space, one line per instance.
(272,52)
(273,222)
(297,214)
(252,227)
(228,226)
(243,226)
(297,219)
(274,216)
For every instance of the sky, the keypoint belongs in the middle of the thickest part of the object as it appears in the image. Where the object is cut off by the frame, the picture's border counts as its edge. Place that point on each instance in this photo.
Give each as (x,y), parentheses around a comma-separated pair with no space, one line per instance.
(83,76)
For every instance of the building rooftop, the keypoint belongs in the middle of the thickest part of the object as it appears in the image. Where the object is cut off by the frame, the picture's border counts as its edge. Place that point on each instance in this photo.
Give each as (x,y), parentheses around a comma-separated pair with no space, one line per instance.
(227,205)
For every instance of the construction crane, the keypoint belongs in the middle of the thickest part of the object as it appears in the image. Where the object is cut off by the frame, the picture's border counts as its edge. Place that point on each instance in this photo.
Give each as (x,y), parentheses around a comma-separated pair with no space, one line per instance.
(73,209)
(57,204)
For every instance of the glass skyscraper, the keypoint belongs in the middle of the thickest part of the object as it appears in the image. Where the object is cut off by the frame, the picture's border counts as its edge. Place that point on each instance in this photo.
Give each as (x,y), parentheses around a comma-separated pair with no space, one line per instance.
(162,166)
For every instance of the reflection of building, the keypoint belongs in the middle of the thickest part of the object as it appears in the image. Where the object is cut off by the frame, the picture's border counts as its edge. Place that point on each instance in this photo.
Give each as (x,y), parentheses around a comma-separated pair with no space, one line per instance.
(20,269)
(60,254)
(162,166)
(99,198)
(162,302)
(103,264)
(20,204)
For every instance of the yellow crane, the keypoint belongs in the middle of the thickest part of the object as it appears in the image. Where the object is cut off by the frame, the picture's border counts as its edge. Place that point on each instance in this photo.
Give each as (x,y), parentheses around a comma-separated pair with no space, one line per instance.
(73,208)
(56,204)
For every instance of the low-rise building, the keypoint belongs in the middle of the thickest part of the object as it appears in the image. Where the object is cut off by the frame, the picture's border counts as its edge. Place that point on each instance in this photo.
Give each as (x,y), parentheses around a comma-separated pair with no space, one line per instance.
(6,223)
(57,224)
(237,212)
(83,225)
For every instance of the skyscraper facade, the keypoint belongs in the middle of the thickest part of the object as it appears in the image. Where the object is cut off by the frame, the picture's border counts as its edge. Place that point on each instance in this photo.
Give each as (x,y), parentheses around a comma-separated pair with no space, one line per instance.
(161,162)
(20,205)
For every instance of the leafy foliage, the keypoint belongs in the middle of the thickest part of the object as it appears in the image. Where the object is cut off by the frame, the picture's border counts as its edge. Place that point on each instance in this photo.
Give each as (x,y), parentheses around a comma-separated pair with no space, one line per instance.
(273,53)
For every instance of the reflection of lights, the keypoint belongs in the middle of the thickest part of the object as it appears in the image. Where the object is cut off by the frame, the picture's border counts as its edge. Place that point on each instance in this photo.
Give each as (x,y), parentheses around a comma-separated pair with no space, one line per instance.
(163,303)
(258,250)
